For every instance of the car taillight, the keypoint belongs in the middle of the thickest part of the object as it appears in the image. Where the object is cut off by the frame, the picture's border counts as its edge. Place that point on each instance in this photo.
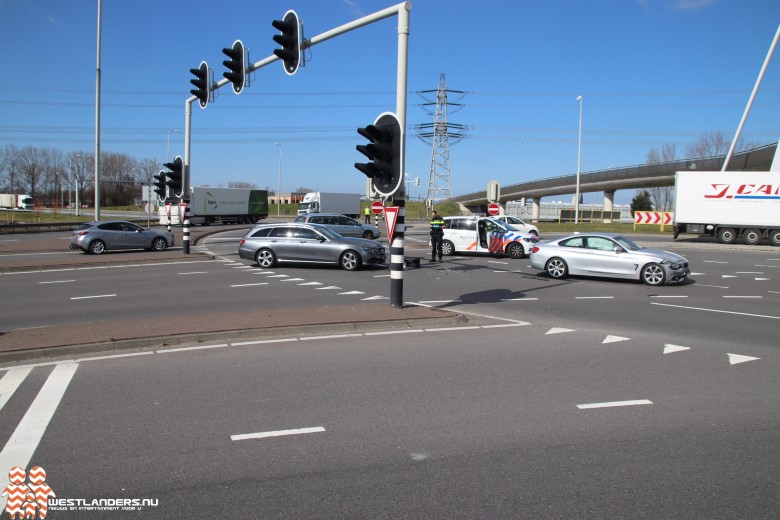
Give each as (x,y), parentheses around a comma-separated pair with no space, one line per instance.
(241,242)
(535,249)
(81,233)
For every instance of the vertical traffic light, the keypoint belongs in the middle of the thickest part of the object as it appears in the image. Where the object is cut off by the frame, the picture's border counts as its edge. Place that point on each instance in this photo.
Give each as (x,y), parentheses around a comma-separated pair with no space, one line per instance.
(159,184)
(175,176)
(201,82)
(385,151)
(237,66)
(290,40)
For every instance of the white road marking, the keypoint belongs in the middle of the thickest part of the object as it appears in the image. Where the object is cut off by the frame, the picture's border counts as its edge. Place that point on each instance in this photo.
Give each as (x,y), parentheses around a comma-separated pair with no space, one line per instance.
(715,286)
(96,296)
(669,348)
(612,404)
(249,284)
(558,330)
(184,349)
(519,299)
(713,262)
(431,302)
(8,384)
(57,281)
(497,262)
(352,292)
(279,433)
(389,332)
(614,339)
(311,283)
(293,280)
(594,297)
(668,296)
(761,279)
(333,336)
(749,272)
(729,276)
(718,310)
(726,296)
(25,439)
(194,272)
(377,297)
(113,356)
(735,359)
(328,288)
(279,276)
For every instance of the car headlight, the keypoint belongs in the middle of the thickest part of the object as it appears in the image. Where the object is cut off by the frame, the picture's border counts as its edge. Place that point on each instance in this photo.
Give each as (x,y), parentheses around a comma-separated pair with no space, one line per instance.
(672,265)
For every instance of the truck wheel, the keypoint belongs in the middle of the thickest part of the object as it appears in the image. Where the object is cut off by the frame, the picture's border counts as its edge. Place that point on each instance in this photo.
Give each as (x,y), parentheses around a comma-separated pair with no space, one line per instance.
(727,235)
(350,260)
(774,237)
(97,247)
(752,236)
(515,250)
(653,274)
(265,258)
(368,234)
(447,248)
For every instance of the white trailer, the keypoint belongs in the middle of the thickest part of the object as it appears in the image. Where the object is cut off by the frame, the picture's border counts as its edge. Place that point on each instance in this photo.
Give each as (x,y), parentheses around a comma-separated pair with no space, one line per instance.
(730,205)
(320,202)
(221,205)
(14,201)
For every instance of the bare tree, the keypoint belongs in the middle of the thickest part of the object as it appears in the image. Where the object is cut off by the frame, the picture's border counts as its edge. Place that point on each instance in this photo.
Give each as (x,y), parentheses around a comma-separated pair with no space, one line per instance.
(9,168)
(31,169)
(118,177)
(662,196)
(146,170)
(242,184)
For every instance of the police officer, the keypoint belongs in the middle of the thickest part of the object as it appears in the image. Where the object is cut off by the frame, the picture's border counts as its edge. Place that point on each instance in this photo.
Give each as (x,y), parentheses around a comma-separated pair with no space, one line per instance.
(367,213)
(437,232)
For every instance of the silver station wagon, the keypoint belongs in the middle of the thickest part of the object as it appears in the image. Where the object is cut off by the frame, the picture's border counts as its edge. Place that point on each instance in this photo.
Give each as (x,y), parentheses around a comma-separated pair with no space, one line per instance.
(269,244)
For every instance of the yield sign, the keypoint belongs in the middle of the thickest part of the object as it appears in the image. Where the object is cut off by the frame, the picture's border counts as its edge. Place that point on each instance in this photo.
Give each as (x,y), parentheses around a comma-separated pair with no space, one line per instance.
(391,216)
(168,209)
(182,211)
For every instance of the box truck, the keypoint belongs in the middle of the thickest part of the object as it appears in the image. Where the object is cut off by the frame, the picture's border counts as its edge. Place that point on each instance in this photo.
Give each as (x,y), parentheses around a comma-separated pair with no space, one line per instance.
(319,202)
(13,201)
(730,205)
(221,205)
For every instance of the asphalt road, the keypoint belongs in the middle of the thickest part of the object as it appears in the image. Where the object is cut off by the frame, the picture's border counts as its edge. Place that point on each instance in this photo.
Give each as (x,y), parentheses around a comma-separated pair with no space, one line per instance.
(502,420)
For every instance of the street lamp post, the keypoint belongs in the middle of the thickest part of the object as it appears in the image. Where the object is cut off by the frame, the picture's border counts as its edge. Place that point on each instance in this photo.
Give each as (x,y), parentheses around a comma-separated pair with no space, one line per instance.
(279,185)
(168,148)
(579,157)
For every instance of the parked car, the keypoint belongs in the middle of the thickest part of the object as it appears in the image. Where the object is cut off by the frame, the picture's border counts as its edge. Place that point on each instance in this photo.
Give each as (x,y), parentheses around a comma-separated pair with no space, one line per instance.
(268,244)
(516,223)
(473,234)
(97,237)
(342,225)
(610,255)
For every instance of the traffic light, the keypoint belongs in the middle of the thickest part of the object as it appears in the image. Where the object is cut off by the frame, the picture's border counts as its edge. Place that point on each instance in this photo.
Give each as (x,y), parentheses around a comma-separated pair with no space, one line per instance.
(237,66)
(201,83)
(159,184)
(385,152)
(290,40)
(175,176)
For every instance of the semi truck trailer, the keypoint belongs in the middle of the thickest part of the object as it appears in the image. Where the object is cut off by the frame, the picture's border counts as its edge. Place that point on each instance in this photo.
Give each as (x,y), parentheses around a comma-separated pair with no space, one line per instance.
(221,206)
(14,201)
(319,202)
(732,205)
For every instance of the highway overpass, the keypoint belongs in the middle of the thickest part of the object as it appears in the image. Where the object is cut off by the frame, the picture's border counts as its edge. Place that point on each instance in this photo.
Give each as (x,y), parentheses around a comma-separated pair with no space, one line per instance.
(613,179)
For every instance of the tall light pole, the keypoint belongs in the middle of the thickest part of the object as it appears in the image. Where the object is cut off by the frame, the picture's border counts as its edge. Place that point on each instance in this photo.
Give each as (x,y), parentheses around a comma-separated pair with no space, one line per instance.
(168,148)
(579,157)
(279,186)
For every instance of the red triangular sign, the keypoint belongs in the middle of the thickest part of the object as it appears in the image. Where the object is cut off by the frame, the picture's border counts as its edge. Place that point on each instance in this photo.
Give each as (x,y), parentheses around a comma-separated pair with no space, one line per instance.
(391,217)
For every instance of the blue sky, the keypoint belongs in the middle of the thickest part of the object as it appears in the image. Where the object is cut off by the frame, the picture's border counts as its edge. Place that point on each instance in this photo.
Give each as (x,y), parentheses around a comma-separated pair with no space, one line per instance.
(650,72)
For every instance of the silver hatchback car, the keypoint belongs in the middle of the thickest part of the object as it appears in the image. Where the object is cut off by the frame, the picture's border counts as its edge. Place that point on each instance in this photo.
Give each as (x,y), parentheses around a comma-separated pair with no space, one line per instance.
(610,255)
(341,224)
(268,244)
(97,237)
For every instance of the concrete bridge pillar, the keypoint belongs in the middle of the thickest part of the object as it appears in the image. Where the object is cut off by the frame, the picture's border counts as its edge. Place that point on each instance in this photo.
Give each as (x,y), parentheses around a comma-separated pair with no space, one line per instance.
(609,200)
(536,202)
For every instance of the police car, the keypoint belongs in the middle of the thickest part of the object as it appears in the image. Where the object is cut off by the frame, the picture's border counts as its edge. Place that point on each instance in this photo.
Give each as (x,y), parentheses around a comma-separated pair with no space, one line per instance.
(485,235)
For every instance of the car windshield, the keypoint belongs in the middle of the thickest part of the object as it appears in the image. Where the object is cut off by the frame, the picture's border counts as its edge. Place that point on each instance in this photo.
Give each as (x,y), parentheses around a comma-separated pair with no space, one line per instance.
(629,245)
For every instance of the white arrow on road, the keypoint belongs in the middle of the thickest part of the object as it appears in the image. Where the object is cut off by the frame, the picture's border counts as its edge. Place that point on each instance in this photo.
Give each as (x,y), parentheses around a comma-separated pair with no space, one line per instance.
(669,348)
(614,339)
(735,359)
(558,330)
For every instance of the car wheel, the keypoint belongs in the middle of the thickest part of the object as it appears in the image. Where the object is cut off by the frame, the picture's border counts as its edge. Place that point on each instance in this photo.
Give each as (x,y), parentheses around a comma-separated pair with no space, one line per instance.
(727,235)
(159,244)
(752,236)
(447,248)
(350,260)
(515,250)
(368,234)
(265,258)
(556,268)
(774,237)
(97,247)
(653,274)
